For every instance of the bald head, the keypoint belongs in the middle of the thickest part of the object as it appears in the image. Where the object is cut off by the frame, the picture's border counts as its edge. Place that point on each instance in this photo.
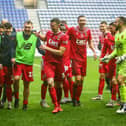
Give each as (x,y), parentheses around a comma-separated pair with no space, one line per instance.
(4,21)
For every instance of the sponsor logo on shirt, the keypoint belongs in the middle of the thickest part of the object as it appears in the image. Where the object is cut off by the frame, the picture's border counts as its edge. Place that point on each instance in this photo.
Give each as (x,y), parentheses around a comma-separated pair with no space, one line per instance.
(53,43)
(80,42)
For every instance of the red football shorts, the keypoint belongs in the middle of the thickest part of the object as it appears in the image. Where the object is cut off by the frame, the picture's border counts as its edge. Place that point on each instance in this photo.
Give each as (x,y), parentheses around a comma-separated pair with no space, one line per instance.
(53,70)
(103,68)
(42,75)
(68,69)
(42,69)
(79,68)
(1,77)
(6,75)
(111,68)
(24,70)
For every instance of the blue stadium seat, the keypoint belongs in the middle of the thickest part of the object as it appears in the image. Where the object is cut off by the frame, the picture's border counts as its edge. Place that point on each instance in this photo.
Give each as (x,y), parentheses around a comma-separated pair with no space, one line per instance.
(95,11)
(15,16)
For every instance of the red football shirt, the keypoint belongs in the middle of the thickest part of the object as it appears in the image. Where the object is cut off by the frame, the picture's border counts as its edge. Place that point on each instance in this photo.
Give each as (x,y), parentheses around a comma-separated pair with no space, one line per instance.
(78,41)
(101,40)
(66,57)
(55,41)
(108,46)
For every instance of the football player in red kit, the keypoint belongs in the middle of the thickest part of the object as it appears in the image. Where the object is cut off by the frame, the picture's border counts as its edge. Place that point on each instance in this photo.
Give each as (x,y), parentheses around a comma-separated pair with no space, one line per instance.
(54,67)
(79,37)
(68,81)
(44,85)
(103,67)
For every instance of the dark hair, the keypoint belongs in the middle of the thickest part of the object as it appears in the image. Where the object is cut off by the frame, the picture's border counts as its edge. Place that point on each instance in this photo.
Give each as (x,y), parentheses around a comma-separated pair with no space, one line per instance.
(113,24)
(103,22)
(1,26)
(28,22)
(55,20)
(63,22)
(80,17)
(8,25)
(123,19)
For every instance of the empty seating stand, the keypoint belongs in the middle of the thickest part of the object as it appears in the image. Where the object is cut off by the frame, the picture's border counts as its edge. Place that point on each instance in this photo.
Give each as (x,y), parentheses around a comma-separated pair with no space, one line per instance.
(14,15)
(95,11)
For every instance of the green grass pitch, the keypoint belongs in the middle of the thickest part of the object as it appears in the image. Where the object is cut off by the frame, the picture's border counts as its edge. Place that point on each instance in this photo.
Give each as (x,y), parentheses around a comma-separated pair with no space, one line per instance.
(90,113)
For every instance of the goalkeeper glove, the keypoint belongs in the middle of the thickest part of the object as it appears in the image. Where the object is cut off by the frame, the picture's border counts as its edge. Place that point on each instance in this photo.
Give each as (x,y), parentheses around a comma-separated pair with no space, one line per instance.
(119,59)
(106,59)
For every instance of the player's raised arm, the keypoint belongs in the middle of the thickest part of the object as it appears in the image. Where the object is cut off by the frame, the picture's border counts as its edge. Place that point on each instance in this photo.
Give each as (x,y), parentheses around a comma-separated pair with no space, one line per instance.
(41,36)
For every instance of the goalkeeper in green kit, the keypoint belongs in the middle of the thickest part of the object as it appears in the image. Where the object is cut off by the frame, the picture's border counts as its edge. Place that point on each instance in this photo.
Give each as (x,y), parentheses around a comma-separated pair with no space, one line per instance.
(120,54)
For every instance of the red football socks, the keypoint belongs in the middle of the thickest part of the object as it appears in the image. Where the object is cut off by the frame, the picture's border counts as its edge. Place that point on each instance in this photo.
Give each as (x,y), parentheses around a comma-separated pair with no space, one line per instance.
(114,91)
(59,94)
(25,102)
(9,94)
(52,92)
(78,93)
(101,86)
(16,95)
(66,88)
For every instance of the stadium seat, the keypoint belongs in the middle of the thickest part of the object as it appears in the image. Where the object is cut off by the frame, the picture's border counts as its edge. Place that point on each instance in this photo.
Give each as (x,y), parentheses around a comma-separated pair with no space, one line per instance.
(15,16)
(95,11)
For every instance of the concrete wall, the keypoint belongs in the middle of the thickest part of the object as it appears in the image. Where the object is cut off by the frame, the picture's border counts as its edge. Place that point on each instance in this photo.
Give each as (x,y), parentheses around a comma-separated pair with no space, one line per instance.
(30,3)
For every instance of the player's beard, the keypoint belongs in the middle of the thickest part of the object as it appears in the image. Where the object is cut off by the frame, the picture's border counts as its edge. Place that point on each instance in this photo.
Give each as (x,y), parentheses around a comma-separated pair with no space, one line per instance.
(118,27)
(27,32)
(8,33)
(81,26)
(55,30)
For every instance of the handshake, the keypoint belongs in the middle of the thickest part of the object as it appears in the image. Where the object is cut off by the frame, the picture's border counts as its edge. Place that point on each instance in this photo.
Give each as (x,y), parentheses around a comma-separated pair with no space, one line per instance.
(119,59)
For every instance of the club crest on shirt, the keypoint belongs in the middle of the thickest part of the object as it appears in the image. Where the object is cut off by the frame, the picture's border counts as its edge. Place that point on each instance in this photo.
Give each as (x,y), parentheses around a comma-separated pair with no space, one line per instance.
(122,37)
(56,38)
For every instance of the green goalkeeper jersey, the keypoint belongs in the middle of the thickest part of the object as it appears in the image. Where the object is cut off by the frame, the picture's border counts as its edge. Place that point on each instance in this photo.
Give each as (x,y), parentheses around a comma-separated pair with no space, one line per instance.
(120,44)
(25,49)
(120,50)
